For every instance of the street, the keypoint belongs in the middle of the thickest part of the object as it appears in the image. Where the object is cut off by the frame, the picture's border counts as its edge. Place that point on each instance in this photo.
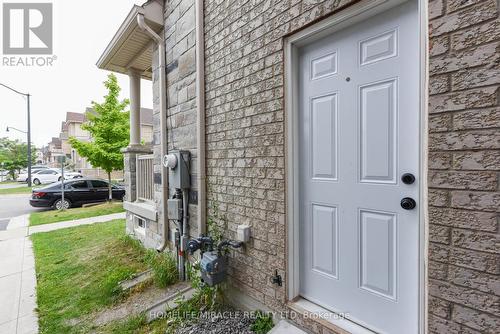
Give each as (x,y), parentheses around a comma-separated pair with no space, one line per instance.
(14,205)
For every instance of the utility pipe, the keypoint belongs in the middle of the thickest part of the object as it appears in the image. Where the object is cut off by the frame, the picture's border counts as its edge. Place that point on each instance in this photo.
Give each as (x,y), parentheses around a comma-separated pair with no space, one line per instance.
(184,228)
(200,114)
(163,122)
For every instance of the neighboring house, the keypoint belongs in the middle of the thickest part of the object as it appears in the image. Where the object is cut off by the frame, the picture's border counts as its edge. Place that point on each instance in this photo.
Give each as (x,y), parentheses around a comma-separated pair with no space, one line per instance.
(72,127)
(45,154)
(54,150)
(358,140)
(39,156)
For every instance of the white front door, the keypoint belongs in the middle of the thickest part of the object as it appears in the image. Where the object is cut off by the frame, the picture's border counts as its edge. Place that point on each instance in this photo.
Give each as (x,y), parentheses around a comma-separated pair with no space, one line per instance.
(358,135)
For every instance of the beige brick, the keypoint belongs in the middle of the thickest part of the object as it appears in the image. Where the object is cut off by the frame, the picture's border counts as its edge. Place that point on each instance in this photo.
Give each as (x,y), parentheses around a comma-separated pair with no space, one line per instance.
(438,197)
(475,200)
(440,122)
(480,321)
(477,119)
(439,84)
(482,241)
(482,55)
(476,77)
(440,234)
(437,270)
(475,220)
(463,180)
(439,45)
(476,35)
(439,325)
(480,160)
(474,98)
(487,9)
(436,8)
(439,253)
(474,279)
(475,299)
(450,141)
(439,160)
(480,261)
(453,5)
(439,307)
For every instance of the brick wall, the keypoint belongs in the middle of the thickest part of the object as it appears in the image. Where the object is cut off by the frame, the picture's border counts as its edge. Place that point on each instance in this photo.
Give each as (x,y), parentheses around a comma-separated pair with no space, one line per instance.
(464,261)
(245,129)
(245,148)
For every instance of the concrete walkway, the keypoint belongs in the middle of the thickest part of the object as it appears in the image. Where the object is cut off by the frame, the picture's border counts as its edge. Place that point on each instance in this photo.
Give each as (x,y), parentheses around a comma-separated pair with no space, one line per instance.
(17,271)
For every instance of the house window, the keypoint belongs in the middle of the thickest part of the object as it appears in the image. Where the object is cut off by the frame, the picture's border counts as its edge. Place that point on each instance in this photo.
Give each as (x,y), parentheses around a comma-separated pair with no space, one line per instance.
(140,225)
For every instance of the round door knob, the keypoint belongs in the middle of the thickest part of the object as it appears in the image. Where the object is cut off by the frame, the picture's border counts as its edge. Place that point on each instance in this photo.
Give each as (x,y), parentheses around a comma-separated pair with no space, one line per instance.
(408,203)
(408,178)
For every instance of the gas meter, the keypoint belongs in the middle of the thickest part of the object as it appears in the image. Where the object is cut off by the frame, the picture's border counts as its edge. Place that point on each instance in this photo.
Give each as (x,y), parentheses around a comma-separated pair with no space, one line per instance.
(213,264)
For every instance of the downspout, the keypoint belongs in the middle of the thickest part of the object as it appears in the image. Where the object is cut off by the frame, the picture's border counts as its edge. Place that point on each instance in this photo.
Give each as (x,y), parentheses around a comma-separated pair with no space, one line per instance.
(200,113)
(163,122)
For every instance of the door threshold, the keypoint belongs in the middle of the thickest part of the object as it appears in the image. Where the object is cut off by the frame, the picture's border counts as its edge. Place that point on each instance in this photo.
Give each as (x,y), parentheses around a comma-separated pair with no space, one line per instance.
(327,318)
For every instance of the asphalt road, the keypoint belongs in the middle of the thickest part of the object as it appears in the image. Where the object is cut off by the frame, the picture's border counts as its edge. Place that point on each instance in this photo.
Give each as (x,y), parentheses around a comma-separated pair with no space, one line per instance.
(14,205)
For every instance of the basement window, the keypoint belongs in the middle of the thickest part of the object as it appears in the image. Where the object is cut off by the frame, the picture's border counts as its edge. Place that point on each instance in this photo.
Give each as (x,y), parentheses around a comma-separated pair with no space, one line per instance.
(140,225)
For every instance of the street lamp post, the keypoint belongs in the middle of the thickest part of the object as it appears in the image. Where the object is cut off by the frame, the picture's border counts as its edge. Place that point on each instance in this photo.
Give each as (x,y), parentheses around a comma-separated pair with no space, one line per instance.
(13,128)
(27,95)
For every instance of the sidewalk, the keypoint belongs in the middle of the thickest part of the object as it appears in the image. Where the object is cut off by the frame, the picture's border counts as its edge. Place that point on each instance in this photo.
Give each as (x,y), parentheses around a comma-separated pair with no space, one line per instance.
(17,271)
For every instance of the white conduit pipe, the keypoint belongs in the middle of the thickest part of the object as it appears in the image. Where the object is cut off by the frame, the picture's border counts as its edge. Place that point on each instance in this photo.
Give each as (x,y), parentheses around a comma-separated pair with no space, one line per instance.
(200,111)
(163,121)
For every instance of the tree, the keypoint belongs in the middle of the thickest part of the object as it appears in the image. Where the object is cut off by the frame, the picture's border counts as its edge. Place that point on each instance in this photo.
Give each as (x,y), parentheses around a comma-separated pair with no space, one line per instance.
(14,155)
(109,128)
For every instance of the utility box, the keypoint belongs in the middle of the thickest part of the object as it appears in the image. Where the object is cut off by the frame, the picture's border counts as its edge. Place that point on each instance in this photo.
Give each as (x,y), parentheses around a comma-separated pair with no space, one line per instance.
(174,207)
(243,233)
(178,162)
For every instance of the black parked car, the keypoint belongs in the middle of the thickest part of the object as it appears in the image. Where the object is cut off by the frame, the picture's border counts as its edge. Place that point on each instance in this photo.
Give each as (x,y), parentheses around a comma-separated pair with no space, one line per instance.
(76,193)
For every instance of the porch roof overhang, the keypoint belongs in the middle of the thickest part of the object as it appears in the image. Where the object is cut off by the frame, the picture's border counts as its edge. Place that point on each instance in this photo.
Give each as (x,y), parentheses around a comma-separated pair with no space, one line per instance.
(131,47)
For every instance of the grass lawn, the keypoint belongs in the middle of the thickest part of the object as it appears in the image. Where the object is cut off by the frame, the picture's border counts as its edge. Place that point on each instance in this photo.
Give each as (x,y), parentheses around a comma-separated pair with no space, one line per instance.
(53,216)
(17,190)
(78,270)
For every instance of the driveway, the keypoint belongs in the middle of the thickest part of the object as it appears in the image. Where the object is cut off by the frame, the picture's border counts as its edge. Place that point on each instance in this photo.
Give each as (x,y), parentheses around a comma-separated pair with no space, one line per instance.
(13,206)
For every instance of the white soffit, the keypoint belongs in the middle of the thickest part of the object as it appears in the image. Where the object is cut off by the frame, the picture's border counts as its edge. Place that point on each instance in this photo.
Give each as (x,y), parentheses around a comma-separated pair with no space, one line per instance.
(131,47)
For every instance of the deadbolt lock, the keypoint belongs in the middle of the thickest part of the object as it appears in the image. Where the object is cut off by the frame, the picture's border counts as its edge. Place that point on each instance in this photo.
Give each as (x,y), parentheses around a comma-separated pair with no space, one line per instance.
(408,178)
(408,203)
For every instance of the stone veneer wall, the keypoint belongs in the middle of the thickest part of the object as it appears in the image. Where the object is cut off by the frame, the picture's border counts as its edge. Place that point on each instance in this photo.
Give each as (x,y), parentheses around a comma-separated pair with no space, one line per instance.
(464,160)
(245,148)
(180,44)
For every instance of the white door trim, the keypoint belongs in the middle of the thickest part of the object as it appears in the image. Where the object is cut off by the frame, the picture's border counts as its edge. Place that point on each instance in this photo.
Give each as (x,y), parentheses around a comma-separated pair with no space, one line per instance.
(349,16)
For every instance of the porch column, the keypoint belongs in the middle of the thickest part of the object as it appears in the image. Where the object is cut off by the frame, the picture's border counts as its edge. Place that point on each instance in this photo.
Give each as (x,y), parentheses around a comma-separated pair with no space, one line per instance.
(135,107)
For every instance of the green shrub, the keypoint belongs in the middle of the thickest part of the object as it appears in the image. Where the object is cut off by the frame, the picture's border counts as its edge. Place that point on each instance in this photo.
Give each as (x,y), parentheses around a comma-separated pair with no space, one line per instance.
(163,266)
(263,323)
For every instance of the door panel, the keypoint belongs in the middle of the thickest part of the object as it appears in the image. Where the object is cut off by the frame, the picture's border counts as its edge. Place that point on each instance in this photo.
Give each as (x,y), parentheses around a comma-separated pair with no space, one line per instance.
(324,151)
(378,265)
(358,133)
(378,131)
(325,241)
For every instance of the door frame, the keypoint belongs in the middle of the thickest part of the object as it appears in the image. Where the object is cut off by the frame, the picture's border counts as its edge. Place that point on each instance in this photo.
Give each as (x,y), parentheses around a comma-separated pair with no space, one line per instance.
(339,20)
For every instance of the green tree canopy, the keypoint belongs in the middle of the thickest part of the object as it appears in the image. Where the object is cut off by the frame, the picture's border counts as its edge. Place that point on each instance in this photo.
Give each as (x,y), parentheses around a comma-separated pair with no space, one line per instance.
(108,125)
(14,155)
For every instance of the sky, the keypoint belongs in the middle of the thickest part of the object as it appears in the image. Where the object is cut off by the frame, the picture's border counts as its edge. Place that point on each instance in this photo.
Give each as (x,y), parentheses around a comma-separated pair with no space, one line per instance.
(82,30)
